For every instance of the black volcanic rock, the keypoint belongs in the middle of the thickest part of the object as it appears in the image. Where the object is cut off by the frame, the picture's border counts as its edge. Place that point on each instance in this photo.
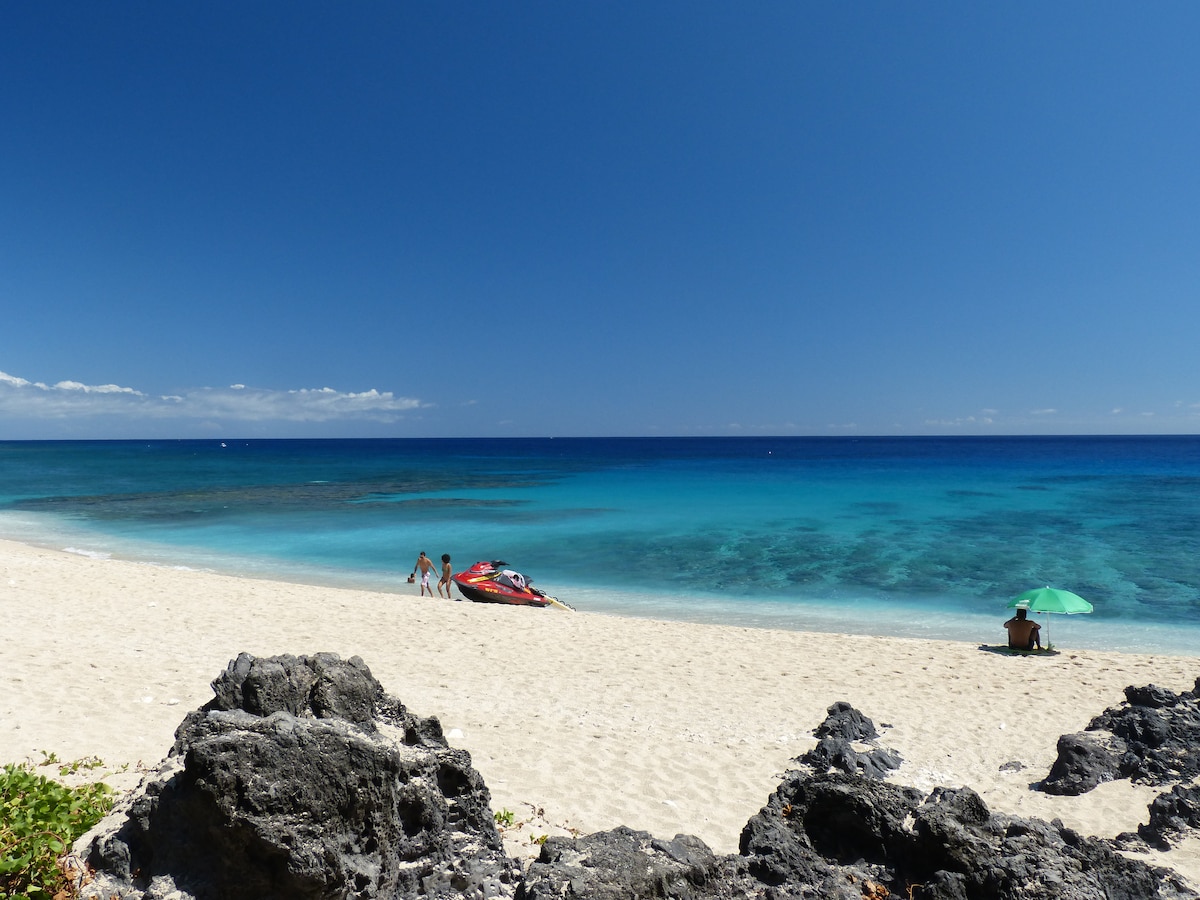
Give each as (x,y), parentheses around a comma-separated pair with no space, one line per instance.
(844,725)
(619,864)
(1172,815)
(1151,739)
(301,779)
(844,721)
(839,837)
(1151,696)
(1085,759)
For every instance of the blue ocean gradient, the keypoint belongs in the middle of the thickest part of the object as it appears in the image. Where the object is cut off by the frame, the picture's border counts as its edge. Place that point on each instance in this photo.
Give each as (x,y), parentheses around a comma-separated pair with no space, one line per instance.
(919,537)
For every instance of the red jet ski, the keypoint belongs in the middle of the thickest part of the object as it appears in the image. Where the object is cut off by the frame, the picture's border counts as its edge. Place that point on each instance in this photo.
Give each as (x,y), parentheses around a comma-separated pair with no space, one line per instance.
(490,582)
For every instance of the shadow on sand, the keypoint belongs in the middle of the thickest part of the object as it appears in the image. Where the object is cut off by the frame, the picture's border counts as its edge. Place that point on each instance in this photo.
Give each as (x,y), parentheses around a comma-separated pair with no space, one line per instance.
(1005,650)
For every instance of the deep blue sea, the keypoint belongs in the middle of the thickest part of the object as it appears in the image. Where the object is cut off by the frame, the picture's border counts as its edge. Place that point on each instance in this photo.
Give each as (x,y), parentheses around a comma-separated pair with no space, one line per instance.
(924,537)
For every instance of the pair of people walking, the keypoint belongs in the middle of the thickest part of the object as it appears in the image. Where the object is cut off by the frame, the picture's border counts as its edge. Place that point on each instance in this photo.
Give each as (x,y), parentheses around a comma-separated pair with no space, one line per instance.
(427,567)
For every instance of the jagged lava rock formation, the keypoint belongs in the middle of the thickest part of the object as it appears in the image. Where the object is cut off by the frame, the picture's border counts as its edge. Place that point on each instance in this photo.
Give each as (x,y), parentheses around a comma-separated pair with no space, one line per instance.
(302,779)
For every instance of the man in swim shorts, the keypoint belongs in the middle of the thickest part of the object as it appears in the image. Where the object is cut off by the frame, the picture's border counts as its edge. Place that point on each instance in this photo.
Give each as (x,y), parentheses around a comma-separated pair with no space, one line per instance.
(425,564)
(1023,632)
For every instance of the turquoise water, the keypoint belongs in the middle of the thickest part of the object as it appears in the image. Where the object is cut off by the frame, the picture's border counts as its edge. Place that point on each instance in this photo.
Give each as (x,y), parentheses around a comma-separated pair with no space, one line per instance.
(907,536)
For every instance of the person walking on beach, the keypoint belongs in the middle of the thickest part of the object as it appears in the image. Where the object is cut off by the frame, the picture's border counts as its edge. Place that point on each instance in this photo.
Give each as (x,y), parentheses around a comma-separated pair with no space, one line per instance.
(445,579)
(425,564)
(1023,632)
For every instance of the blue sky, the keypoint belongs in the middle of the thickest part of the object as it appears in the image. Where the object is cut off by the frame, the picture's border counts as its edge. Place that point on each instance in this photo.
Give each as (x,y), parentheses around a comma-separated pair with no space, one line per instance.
(598,218)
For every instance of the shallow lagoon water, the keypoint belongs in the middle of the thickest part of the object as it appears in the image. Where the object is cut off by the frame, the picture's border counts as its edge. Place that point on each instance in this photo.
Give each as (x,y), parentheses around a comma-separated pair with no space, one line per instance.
(918,537)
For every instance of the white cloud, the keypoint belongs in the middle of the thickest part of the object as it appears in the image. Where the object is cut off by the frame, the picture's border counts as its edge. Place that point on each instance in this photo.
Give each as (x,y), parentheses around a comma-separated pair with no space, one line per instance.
(95,389)
(14,381)
(962,421)
(1043,412)
(237,403)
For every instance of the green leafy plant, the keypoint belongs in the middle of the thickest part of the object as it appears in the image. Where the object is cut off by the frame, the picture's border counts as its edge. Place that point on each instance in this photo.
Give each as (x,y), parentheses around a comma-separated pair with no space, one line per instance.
(39,818)
(505,817)
(78,765)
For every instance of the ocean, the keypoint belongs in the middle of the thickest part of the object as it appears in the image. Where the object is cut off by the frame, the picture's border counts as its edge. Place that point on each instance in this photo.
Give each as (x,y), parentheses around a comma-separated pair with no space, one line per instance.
(915,537)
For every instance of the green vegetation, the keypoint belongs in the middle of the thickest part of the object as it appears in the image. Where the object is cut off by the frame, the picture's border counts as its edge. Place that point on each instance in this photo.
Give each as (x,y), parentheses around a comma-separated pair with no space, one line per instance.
(505,818)
(39,818)
(70,768)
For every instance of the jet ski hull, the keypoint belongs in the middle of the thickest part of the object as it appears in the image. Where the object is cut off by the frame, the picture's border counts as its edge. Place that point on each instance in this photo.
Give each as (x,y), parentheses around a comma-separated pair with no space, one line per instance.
(488,582)
(489,592)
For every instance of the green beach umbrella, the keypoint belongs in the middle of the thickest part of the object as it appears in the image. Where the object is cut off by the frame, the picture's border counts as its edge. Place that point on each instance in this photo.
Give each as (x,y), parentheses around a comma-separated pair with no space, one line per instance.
(1050,600)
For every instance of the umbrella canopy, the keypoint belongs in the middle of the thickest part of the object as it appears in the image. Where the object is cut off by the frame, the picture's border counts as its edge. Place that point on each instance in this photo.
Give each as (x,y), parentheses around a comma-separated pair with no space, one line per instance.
(1050,600)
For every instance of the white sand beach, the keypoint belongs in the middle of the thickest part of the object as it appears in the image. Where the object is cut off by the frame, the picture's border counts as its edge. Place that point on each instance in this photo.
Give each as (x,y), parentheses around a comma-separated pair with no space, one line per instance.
(575,720)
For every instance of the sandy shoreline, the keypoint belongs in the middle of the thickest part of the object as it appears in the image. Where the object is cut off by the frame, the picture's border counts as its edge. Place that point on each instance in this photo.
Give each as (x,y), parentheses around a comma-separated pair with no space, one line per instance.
(598,721)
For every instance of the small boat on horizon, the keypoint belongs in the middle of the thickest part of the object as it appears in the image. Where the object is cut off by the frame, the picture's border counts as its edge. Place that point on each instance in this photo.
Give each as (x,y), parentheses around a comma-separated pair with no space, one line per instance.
(490,582)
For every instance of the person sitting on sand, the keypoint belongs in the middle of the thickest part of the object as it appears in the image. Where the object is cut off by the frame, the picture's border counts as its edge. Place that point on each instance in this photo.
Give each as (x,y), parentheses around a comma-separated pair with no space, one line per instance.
(1023,632)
